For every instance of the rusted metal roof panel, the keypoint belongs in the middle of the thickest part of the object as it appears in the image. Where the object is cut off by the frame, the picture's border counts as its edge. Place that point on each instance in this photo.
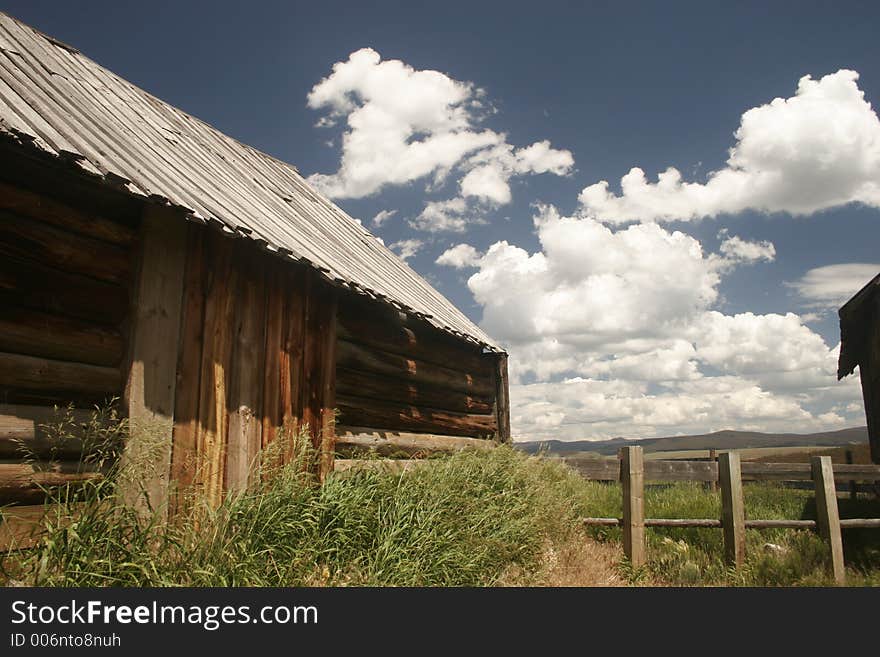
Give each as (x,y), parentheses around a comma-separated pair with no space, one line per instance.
(55,99)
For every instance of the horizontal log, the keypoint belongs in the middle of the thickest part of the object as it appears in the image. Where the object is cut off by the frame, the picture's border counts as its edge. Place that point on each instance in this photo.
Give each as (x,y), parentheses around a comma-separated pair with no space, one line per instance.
(36,333)
(38,286)
(375,386)
(384,465)
(705,471)
(802,472)
(714,523)
(601,469)
(395,332)
(859,523)
(354,439)
(22,238)
(355,411)
(780,524)
(23,432)
(607,469)
(22,526)
(365,359)
(32,373)
(37,206)
(26,483)
(603,522)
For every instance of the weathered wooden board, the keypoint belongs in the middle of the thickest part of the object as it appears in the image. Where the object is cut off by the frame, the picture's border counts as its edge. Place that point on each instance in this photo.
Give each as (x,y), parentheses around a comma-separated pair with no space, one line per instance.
(27,482)
(186,401)
(272,376)
(155,333)
(607,469)
(383,465)
(35,333)
(24,432)
(502,398)
(350,440)
(36,241)
(43,208)
(325,379)
(245,390)
(355,411)
(352,383)
(38,286)
(387,329)
(215,370)
(365,359)
(32,373)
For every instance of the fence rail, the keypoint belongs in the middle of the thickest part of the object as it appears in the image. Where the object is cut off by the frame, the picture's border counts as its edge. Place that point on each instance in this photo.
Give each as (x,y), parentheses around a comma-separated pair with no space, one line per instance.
(632,471)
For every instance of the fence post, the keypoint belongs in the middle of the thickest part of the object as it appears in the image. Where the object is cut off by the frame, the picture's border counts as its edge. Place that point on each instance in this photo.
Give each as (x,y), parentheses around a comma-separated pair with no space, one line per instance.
(733,515)
(713,458)
(632,477)
(827,517)
(853,490)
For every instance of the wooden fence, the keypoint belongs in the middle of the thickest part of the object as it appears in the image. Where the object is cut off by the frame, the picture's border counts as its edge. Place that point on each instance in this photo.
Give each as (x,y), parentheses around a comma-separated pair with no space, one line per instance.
(631,469)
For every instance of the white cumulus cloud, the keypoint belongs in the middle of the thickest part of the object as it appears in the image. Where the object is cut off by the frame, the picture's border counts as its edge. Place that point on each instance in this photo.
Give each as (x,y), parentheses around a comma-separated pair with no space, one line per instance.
(818,149)
(403,124)
(833,285)
(459,256)
(406,249)
(615,331)
(383,216)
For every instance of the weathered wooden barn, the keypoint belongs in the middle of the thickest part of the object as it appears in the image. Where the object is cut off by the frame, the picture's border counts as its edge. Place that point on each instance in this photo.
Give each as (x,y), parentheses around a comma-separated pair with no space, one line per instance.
(147,256)
(860,345)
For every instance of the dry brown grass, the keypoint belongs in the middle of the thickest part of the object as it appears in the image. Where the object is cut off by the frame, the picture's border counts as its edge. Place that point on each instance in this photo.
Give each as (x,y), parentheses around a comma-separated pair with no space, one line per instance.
(578,562)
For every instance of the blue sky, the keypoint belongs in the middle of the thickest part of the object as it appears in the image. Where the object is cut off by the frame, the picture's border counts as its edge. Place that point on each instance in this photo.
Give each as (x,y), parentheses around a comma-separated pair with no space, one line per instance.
(705,303)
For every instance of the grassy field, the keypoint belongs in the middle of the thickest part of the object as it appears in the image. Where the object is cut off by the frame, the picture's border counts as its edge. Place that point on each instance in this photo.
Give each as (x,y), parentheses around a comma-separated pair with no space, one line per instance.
(487,519)
(777,557)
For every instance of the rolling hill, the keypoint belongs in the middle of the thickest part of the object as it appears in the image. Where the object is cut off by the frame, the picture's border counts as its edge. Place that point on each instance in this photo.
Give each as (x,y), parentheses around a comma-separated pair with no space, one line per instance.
(726,439)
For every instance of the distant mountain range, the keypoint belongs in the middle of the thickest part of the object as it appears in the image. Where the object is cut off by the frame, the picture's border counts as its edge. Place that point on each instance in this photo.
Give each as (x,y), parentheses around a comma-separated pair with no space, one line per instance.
(719,440)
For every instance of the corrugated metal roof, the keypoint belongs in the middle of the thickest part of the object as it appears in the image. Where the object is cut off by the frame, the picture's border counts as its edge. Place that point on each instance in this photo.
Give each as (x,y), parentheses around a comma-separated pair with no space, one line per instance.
(54,98)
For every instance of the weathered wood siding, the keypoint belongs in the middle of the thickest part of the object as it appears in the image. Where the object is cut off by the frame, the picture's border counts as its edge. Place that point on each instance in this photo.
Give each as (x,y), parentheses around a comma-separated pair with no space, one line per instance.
(869,371)
(65,289)
(397,373)
(64,299)
(253,360)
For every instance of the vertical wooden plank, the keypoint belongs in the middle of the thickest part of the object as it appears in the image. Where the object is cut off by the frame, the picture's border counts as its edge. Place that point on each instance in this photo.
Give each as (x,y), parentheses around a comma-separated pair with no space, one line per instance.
(632,477)
(327,394)
(151,379)
(827,517)
(292,352)
(502,398)
(272,415)
(186,404)
(245,400)
(313,352)
(216,358)
(733,516)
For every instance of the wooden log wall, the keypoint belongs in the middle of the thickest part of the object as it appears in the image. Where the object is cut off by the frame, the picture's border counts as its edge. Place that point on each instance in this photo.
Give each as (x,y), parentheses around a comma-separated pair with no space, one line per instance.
(64,299)
(869,371)
(396,373)
(65,287)
(256,356)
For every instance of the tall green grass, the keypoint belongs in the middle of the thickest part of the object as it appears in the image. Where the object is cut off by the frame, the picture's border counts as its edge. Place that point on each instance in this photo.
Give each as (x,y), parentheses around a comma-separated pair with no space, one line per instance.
(462,520)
